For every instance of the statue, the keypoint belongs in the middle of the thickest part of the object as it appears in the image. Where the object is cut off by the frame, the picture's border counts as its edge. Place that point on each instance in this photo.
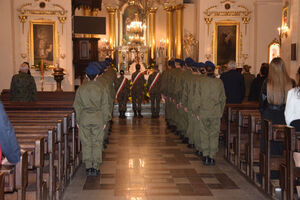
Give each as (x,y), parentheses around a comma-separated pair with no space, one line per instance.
(190,46)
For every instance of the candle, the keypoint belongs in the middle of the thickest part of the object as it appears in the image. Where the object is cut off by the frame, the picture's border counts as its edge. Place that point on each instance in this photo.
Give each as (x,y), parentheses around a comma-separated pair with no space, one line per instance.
(42,69)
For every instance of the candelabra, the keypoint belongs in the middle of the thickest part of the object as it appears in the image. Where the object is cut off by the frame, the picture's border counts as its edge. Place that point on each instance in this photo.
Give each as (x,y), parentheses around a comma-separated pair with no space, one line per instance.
(282,32)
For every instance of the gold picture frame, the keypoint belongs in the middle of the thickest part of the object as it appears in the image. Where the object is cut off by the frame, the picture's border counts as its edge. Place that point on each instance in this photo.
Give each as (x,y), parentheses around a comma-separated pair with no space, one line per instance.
(43,42)
(226,42)
(273,50)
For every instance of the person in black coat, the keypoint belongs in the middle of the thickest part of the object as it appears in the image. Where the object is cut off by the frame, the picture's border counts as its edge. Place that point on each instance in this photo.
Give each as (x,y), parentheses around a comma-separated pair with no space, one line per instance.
(234,84)
(256,85)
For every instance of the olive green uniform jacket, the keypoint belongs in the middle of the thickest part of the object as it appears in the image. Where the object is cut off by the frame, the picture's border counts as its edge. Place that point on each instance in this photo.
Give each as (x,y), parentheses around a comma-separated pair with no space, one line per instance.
(156,90)
(124,94)
(22,88)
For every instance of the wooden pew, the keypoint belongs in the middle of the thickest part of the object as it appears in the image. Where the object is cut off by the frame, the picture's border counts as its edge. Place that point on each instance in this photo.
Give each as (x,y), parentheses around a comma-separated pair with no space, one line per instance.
(44,96)
(47,131)
(243,131)
(288,171)
(2,185)
(269,162)
(15,177)
(30,121)
(230,114)
(26,128)
(66,126)
(253,146)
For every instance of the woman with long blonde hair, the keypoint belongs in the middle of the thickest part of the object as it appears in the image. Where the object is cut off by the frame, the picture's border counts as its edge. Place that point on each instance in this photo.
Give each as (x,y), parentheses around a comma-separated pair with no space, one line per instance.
(273,98)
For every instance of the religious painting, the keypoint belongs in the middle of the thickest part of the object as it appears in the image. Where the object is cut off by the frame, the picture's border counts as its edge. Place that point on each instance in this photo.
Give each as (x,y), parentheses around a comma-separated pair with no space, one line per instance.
(43,42)
(226,42)
(273,50)
(285,17)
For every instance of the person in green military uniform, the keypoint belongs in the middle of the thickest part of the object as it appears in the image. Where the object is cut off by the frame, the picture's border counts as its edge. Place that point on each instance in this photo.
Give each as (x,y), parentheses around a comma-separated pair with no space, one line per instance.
(178,89)
(186,98)
(169,90)
(92,113)
(194,128)
(154,89)
(211,97)
(22,87)
(106,81)
(137,90)
(122,86)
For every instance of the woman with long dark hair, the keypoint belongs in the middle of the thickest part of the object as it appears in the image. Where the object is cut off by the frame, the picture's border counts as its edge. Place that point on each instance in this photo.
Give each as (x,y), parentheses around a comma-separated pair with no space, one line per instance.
(292,109)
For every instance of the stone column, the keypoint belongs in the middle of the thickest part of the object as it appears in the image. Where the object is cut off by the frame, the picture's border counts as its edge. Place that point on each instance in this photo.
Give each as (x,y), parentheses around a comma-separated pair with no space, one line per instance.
(170,35)
(152,39)
(179,30)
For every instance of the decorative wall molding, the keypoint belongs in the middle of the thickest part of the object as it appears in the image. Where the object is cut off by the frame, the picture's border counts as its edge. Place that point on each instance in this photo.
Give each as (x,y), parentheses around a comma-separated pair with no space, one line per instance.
(35,10)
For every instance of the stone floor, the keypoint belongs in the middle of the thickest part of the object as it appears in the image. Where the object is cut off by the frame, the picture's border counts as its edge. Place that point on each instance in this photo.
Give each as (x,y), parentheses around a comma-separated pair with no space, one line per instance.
(145,161)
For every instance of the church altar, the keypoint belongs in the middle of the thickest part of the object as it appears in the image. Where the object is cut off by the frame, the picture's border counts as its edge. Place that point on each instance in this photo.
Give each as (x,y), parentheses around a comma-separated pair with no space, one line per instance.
(129,56)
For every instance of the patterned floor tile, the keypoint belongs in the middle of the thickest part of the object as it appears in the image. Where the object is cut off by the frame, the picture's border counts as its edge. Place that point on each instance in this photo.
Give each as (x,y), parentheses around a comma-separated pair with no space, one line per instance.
(145,161)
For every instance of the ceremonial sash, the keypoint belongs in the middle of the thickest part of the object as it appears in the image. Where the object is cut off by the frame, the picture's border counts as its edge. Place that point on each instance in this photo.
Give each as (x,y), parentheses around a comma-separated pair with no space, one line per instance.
(121,87)
(136,78)
(154,82)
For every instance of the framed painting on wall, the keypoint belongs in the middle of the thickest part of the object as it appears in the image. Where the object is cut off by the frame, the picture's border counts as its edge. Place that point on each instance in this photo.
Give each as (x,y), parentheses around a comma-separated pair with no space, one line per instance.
(43,42)
(273,50)
(226,42)
(285,17)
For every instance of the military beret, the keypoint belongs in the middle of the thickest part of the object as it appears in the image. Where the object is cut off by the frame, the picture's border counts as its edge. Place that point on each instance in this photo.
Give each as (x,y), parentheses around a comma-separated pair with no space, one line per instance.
(108,61)
(195,64)
(171,63)
(92,68)
(189,61)
(103,64)
(201,65)
(101,67)
(179,61)
(210,64)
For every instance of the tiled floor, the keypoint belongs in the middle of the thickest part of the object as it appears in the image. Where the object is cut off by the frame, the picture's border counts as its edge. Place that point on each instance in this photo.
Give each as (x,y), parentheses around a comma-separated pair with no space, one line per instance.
(145,161)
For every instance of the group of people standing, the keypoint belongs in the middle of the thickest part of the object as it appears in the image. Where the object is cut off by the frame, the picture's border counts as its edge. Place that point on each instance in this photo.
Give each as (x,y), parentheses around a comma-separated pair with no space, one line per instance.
(123,87)
(93,105)
(94,102)
(195,101)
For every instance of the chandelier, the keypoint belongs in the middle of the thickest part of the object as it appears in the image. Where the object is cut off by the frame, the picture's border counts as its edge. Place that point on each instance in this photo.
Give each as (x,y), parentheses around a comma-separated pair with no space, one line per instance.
(136,30)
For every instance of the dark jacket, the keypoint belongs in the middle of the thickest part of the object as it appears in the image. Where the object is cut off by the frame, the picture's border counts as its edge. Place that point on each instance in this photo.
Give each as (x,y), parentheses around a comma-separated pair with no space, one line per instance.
(22,88)
(156,90)
(234,86)
(9,145)
(248,78)
(138,87)
(256,88)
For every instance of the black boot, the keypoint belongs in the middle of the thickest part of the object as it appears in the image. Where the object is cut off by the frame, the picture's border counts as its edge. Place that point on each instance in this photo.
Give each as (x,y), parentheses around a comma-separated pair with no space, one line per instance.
(123,115)
(140,114)
(120,116)
(212,161)
(206,160)
(135,113)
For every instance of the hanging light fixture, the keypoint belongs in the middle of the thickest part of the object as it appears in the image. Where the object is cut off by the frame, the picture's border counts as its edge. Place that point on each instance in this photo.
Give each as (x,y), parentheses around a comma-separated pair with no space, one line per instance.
(136,30)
